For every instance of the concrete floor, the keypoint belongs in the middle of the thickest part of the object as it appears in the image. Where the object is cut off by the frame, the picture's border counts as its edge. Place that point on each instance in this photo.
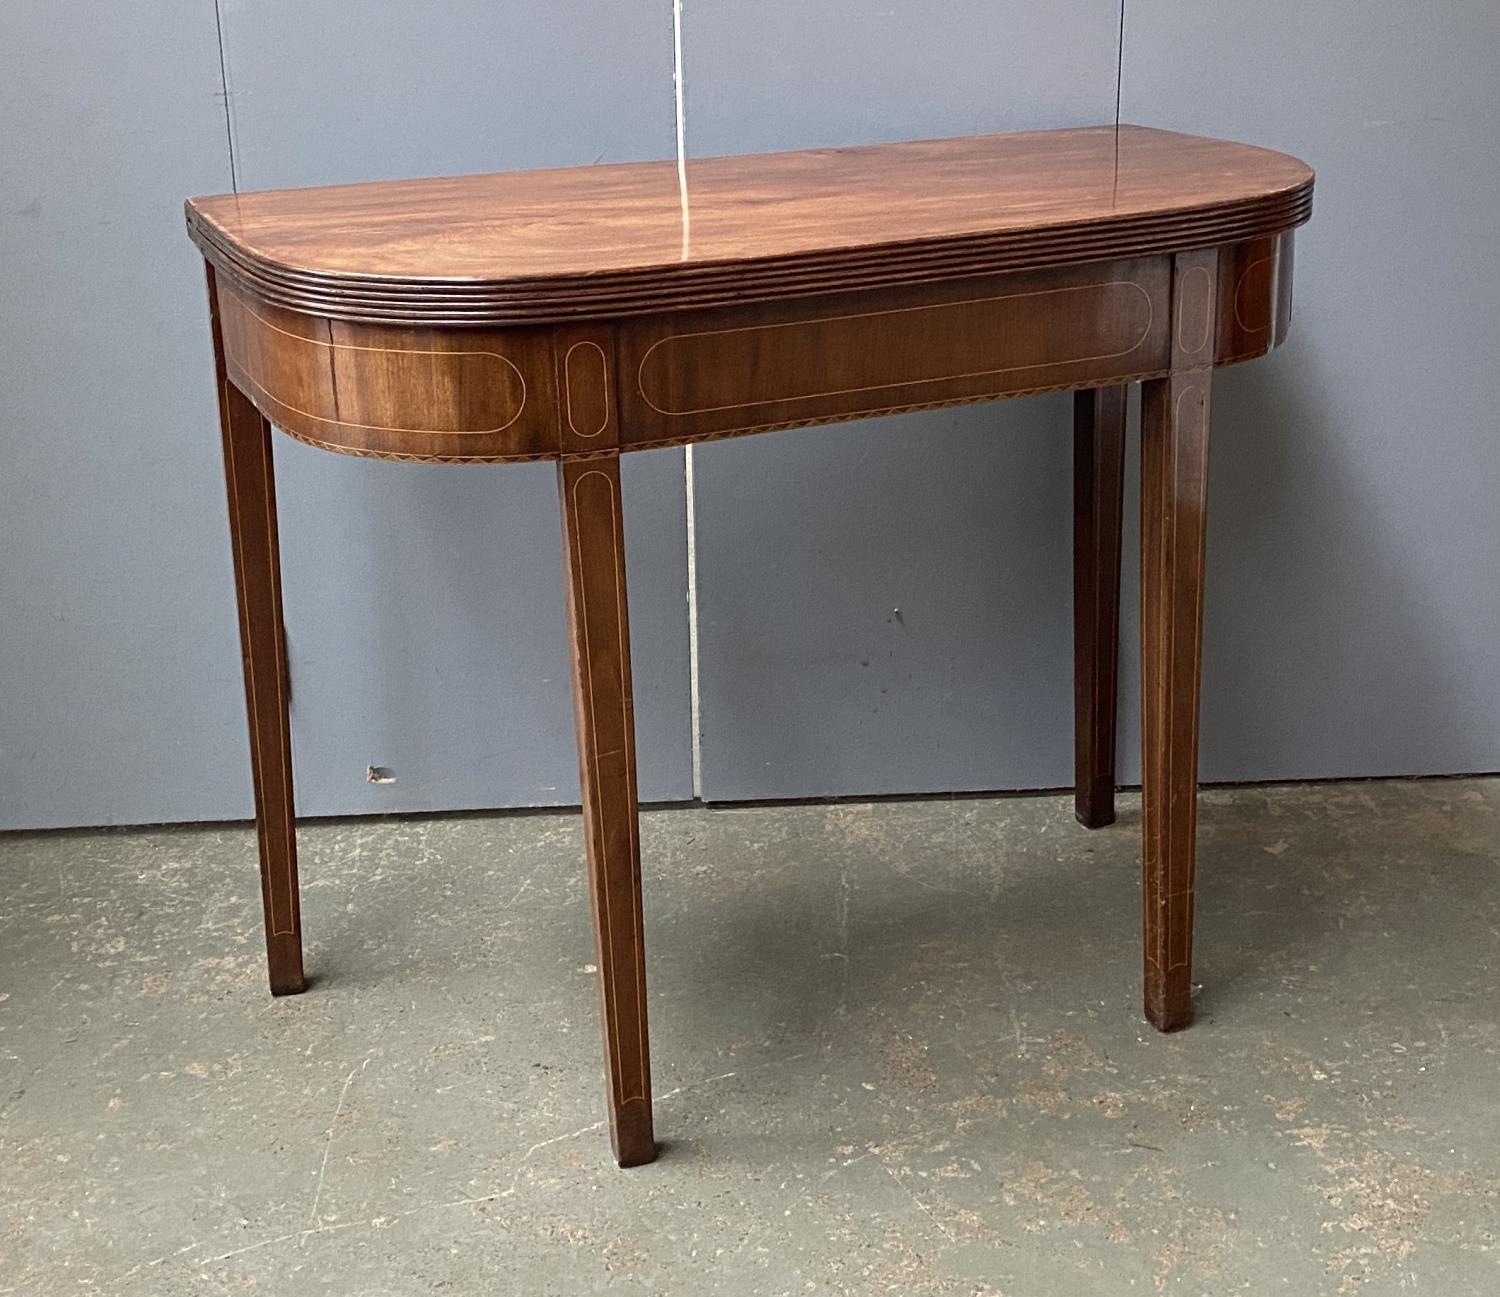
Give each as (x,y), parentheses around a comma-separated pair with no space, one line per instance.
(898,1049)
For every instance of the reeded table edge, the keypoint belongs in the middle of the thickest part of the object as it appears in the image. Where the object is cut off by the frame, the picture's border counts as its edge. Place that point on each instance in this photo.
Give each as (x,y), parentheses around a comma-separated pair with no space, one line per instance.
(430,302)
(695,284)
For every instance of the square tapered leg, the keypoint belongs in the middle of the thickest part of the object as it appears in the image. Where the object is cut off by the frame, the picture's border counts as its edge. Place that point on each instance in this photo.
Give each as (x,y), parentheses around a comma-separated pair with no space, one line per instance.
(593,543)
(1174,490)
(1098,492)
(257,572)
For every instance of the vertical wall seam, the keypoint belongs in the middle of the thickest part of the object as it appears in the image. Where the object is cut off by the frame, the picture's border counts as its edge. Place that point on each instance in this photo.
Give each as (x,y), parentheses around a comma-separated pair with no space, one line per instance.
(234,178)
(1120,66)
(680,103)
(1119,90)
(695,705)
(695,709)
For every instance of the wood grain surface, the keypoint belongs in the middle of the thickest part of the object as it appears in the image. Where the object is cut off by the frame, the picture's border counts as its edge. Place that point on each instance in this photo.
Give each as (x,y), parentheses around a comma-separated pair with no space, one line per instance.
(1098,502)
(469,394)
(250,479)
(1174,512)
(440,394)
(739,369)
(594,552)
(576,314)
(603,242)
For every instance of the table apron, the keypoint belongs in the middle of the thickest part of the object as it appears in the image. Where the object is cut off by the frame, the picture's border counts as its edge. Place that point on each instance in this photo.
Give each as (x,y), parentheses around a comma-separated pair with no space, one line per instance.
(477,394)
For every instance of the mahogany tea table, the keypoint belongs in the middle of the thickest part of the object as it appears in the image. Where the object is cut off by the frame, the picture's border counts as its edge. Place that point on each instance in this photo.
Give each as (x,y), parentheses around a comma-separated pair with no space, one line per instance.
(574,315)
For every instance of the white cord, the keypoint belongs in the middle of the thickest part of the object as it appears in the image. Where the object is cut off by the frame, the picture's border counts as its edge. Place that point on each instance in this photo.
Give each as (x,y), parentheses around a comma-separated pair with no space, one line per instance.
(677,83)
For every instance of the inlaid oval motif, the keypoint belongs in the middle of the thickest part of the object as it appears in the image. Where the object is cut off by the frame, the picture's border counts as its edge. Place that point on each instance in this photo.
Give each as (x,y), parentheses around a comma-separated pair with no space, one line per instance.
(846,356)
(1194,310)
(391,389)
(1253,296)
(586,377)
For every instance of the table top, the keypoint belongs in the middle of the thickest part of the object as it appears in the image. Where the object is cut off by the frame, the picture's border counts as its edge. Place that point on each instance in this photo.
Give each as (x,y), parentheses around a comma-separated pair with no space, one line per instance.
(603,241)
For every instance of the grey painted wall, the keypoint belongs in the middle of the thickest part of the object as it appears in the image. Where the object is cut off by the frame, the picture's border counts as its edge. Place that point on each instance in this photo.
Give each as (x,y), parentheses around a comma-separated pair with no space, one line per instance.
(1353,609)
(1354,540)
(425,608)
(809,541)
(118,696)
(1352,624)
(424,604)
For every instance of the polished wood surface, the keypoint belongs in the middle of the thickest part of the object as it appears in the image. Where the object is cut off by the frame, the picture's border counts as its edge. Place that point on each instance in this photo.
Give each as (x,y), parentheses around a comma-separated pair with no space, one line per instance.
(1174,510)
(574,315)
(733,370)
(257,574)
(471,395)
(1254,308)
(1098,500)
(441,394)
(594,551)
(602,242)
